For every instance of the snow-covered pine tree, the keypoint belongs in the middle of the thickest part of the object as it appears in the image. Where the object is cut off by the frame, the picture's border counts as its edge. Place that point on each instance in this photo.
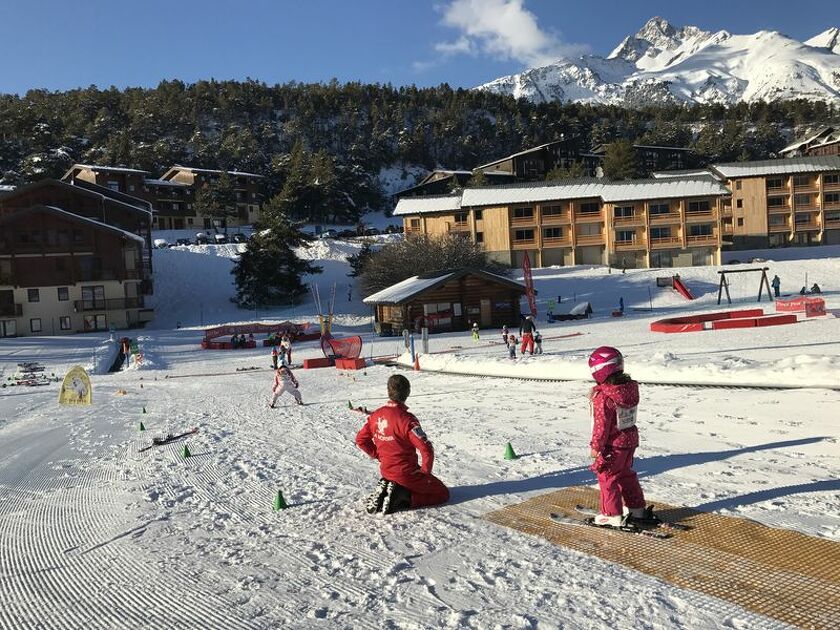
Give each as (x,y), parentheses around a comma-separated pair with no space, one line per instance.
(269,272)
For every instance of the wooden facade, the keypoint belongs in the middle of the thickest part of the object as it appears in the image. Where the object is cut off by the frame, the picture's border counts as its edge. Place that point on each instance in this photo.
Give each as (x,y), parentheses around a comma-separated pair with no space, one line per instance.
(455,303)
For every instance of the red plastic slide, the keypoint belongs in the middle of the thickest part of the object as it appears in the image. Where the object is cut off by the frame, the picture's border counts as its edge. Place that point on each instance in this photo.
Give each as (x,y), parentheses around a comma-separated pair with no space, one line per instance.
(680,288)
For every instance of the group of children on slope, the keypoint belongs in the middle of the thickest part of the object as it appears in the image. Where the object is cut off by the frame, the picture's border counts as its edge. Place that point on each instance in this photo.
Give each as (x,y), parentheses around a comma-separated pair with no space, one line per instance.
(531,338)
(393,435)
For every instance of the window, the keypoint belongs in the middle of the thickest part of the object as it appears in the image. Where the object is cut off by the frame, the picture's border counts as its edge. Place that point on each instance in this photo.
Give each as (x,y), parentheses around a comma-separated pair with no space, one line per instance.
(625,236)
(460,218)
(659,208)
(63,294)
(189,221)
(739,203)
(479,214)
(131,187)
(35,324)
(552,211)
(740,221)
(698,206)
(93,297)
(802,180)
(113,185)
(777,220)
(802,200)
(591,207)
(832,217)
(95,322)
(414,224)
(523,236)
(831,179)
(775,182)
(703,229)
(479,237)
(802,219)
(552,233)
(832,197)
(776,202)
(737,184)
(33,295)
(589,229)
(623,212)
(660,232)
(64,322)
(523,213)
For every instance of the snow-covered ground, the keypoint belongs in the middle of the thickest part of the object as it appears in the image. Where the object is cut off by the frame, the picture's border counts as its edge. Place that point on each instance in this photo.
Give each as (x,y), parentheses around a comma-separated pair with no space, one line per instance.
(95,533)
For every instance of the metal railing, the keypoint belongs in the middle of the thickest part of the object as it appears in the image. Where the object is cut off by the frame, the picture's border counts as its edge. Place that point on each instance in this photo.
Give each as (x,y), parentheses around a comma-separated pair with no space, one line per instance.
(108,304)
(11,310)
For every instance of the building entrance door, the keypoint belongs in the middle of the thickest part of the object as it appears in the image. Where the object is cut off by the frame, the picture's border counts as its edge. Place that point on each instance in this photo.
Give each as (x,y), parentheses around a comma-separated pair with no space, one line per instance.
(486,314)
(8,328)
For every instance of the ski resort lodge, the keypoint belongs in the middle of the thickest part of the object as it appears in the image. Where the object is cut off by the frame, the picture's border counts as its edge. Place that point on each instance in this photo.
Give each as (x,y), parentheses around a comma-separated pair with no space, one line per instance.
(447,301)
(673,219)
(73,258)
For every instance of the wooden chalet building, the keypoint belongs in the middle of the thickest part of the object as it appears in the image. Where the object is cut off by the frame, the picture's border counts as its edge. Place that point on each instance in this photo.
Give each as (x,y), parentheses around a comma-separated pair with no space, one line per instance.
(447,301)
(73,258)
(824,141)
(531,164)
(247,188)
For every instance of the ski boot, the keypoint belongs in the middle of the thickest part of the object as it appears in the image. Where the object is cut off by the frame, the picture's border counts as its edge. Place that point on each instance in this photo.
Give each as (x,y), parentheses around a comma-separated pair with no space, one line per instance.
(602,520)
(374,502)
(643,516)
(396,499)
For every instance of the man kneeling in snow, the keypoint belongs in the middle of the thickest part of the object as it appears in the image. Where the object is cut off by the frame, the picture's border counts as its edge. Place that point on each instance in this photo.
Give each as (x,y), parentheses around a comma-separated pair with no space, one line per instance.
(393,436)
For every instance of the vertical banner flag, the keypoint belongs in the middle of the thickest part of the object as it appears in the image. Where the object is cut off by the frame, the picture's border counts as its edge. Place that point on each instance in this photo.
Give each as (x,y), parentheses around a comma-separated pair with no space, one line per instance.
(76,389)
(529,284)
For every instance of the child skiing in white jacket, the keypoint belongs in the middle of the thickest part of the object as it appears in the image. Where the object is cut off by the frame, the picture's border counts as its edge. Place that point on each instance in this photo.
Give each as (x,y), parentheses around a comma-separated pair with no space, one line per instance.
(285,381)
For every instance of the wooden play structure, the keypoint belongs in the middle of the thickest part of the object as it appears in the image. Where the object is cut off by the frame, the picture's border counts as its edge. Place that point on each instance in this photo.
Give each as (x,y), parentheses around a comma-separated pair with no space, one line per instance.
(762,283)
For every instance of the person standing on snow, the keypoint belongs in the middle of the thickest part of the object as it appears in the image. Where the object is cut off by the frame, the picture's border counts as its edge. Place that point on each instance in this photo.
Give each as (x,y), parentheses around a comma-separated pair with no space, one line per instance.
(505,334)
(393,436)
(512,346)
(286,348)
(776,284)
(538,341)
(614,401)
(528,335)
(274,356)
(285,381)
(475,331)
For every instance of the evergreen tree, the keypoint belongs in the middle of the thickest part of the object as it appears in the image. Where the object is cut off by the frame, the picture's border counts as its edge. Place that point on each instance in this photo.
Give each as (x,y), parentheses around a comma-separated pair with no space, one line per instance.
(573,171)
(358,261)
(477,179)
(269,271)
(217,199)
(620,160)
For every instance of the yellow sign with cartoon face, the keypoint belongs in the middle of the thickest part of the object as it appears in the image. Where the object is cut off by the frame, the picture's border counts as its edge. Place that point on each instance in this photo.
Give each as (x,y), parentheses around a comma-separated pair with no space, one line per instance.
(76,388)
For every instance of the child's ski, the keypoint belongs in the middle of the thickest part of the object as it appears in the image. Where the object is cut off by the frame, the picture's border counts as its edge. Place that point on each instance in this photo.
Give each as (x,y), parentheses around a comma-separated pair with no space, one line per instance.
(627,528)
(161,441)
(653,520)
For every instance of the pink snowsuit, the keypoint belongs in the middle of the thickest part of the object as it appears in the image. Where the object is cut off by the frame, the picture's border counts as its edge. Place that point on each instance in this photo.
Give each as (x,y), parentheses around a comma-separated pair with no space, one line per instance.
(615,437)
(284,381)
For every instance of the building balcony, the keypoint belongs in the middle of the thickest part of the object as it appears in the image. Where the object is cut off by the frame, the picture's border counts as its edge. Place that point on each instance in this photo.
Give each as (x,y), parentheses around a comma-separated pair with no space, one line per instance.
(832,205)
(670,217)
(778,209)
(589,239)
(779,190)
(532,220)
(531,244)
(783,227)
(459,227)
(691,217)
(831,186)
(109,304)
(635,220)
(810,207)
(11,310)
(589,217)
(832,222)
(701,239)
(555,219)
(806,188)
(810,226)
(563,241)
(662,242)
(620,246)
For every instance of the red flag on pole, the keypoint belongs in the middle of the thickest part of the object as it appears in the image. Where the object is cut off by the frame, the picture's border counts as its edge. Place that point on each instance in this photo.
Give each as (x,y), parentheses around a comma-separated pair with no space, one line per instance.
(529,284)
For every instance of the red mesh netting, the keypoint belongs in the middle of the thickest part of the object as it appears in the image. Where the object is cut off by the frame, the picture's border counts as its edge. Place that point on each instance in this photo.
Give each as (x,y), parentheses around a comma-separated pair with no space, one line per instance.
(346,348)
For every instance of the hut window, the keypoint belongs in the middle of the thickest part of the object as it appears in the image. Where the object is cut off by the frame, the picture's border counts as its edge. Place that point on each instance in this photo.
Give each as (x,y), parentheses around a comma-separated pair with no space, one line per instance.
(523,236)
(460,218)
(523,213)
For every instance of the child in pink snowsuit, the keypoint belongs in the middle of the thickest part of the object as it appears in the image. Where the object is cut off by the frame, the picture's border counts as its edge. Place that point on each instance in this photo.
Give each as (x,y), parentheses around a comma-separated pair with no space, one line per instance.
(284,381)
(614,437)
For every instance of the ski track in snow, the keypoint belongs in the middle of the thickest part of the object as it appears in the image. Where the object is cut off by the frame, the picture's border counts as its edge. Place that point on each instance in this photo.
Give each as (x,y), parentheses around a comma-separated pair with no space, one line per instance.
(97,534)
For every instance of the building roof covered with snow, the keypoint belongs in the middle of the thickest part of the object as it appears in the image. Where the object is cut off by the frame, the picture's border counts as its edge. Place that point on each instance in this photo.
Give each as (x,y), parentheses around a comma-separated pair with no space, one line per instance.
(414,286)
(790,166)
(423,205)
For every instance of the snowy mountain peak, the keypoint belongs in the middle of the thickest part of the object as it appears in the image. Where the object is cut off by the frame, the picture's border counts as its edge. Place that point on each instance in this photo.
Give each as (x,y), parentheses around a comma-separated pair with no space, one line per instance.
(827,39)
(663,63)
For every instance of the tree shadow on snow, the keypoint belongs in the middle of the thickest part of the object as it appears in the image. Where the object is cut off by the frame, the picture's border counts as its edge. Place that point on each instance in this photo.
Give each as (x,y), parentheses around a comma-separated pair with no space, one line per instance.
(581,475)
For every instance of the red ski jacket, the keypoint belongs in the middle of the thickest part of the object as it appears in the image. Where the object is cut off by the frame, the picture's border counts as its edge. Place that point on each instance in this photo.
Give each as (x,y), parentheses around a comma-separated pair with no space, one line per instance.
(393,436)
(614,416)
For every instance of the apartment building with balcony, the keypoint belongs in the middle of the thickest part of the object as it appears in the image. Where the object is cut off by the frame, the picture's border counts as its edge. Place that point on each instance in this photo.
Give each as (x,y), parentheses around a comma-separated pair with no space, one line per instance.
(59,241)
(782,203)
(247,189)
(62,273)
(638,223)
(172,196)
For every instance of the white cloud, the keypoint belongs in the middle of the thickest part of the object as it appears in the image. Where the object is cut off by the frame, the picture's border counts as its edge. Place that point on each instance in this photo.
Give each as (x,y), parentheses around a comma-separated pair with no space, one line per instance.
(503,29)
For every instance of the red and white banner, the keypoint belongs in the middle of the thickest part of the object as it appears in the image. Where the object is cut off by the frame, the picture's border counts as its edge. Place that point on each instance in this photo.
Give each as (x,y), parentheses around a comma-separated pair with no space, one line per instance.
(811,306)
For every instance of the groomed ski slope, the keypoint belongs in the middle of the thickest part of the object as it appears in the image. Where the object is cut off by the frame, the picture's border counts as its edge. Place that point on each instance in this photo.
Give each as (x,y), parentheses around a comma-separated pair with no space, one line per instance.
(98,535)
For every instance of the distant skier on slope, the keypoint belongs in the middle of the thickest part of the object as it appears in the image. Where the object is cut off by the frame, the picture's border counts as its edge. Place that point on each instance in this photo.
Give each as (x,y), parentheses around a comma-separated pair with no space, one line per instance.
(614,401)
(285,381)
(505,334)
(393,436)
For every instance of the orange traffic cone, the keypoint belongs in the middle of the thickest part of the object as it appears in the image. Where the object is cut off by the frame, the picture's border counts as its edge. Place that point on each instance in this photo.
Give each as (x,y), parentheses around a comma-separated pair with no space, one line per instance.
(416,362)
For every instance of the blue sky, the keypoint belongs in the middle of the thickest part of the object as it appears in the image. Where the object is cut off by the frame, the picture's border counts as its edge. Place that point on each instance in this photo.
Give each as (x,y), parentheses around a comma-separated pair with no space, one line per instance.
(61,45)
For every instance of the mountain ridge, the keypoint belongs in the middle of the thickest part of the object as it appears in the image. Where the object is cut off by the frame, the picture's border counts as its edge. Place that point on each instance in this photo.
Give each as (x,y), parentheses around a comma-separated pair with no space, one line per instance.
(662,63)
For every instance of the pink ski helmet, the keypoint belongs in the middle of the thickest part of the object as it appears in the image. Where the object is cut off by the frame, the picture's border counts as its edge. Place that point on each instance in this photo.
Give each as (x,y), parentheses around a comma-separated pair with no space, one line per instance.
(605,361)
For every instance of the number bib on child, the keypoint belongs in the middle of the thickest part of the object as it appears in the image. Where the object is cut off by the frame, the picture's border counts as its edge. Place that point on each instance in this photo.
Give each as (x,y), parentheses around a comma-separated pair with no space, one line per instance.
(625,417)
